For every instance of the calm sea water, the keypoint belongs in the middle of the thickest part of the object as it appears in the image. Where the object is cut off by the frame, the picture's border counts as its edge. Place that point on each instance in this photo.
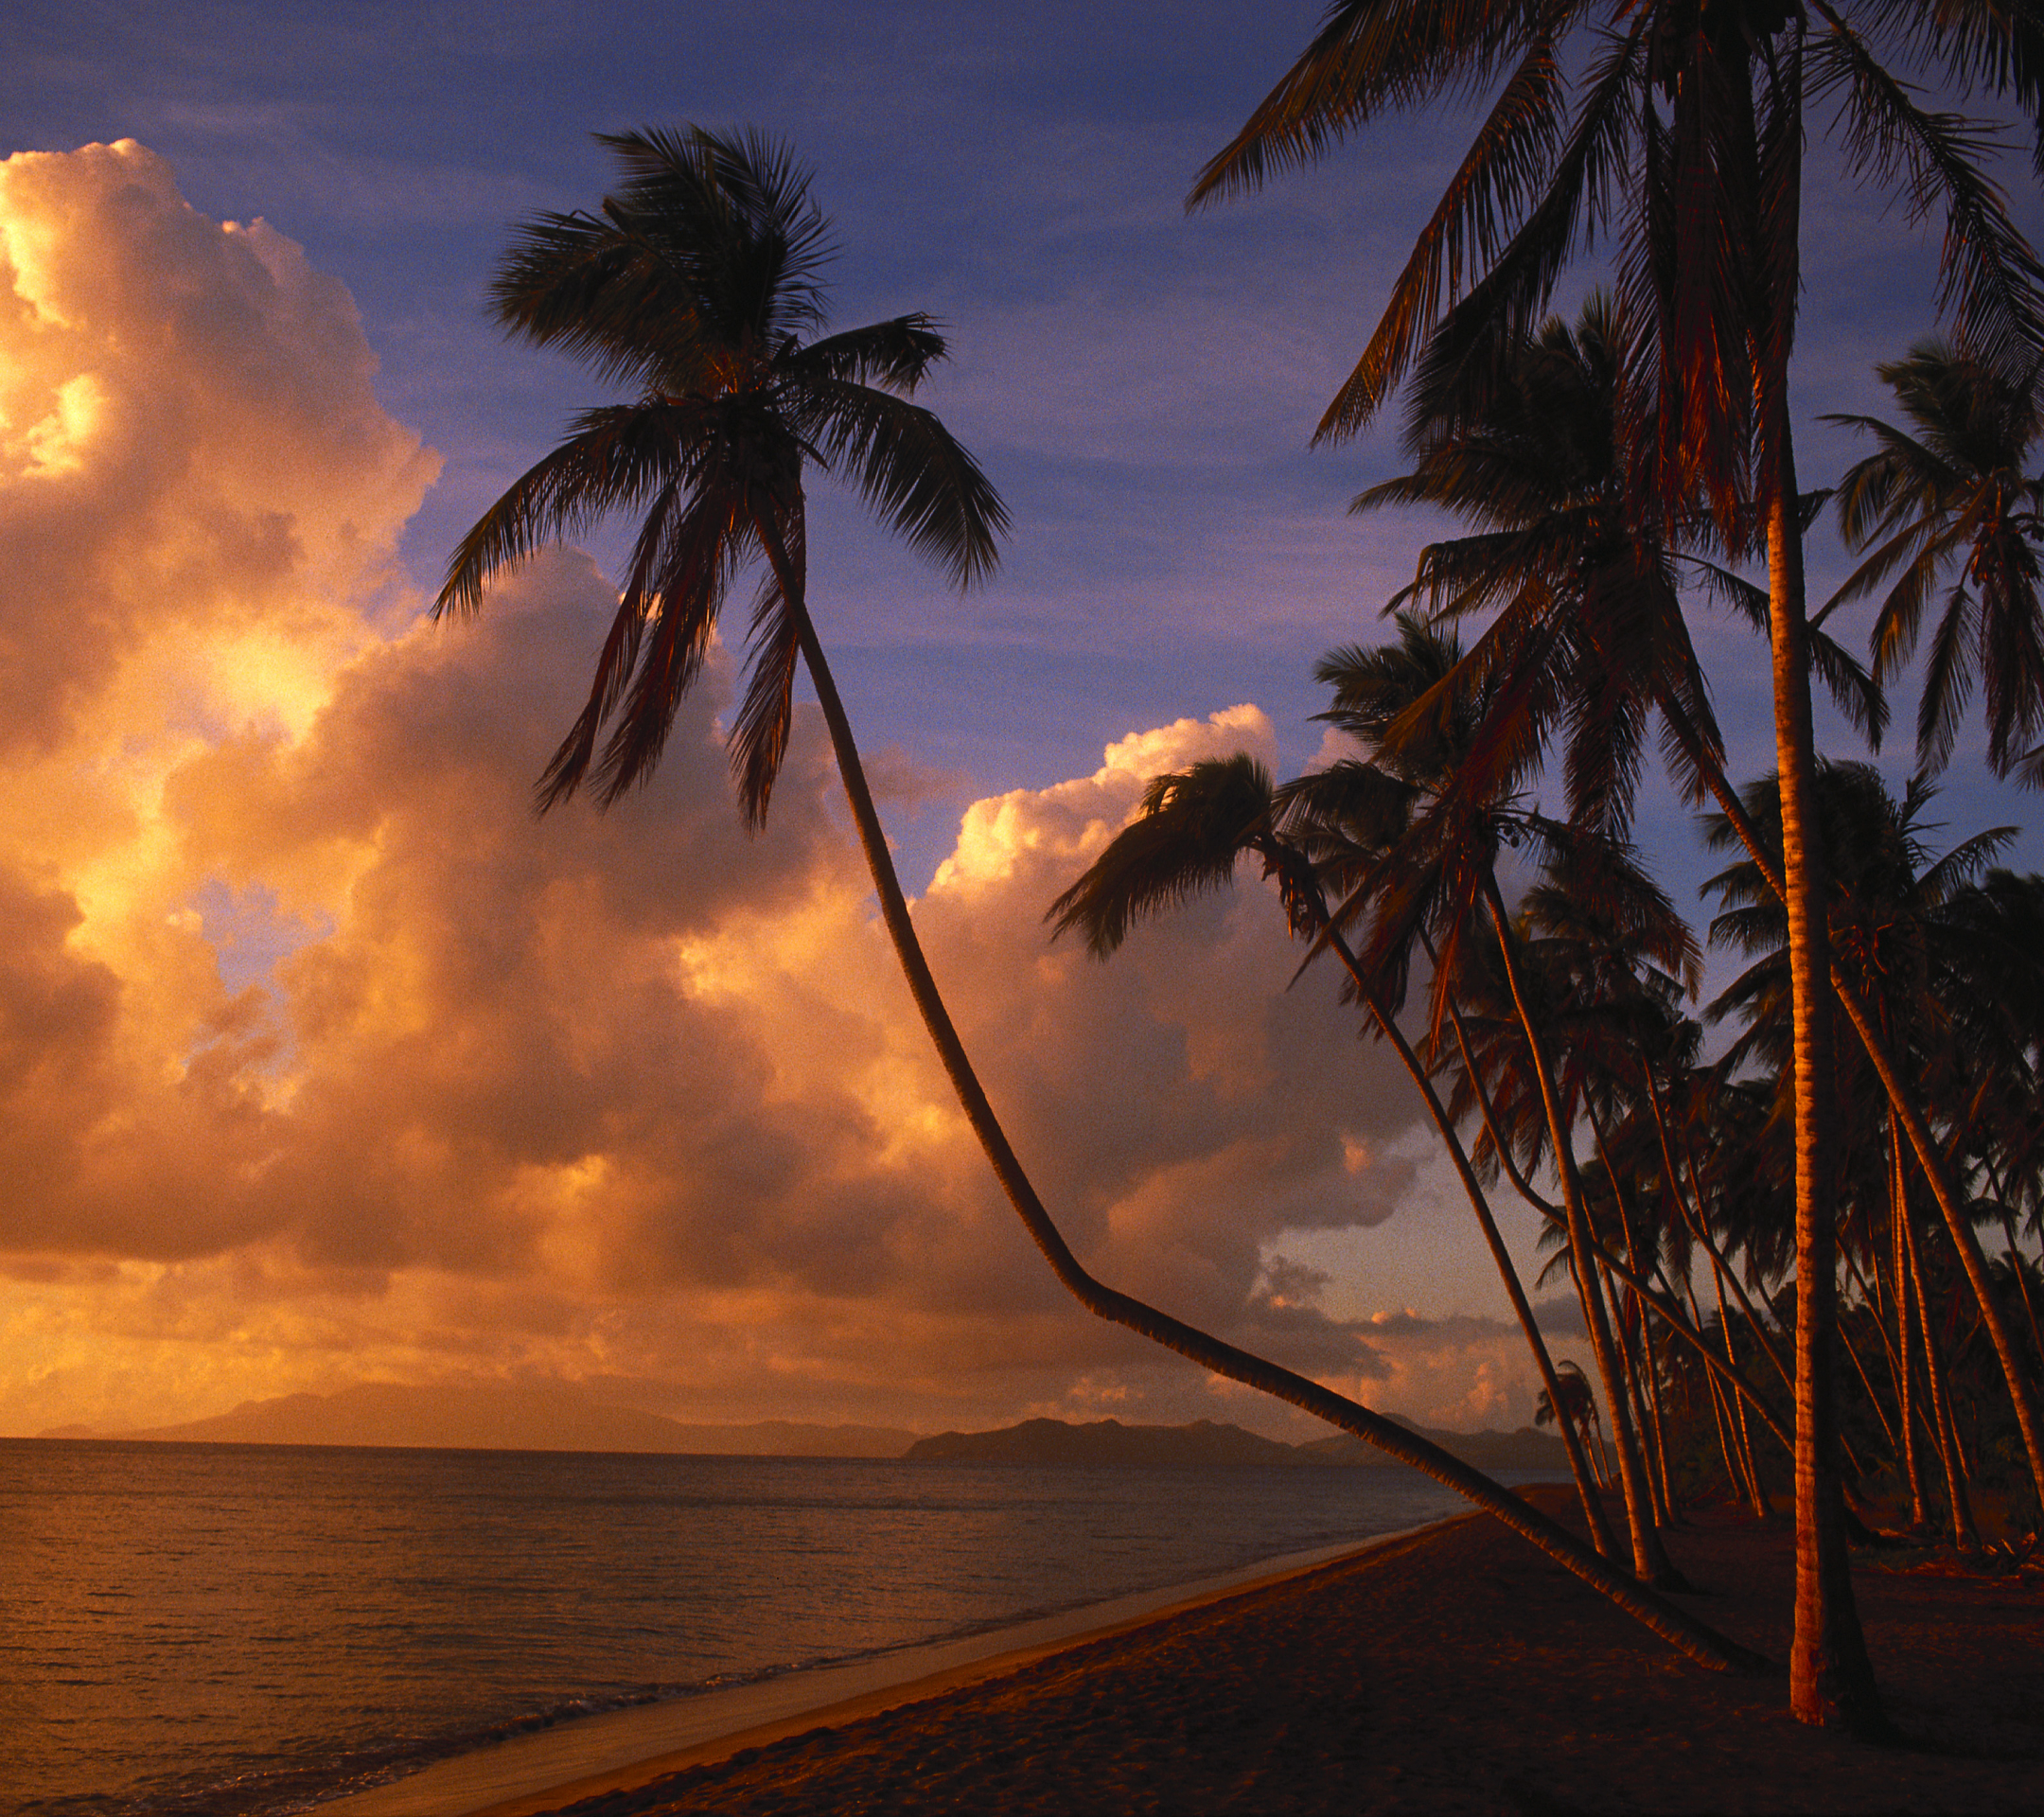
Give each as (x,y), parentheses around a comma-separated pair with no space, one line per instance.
(244,1629)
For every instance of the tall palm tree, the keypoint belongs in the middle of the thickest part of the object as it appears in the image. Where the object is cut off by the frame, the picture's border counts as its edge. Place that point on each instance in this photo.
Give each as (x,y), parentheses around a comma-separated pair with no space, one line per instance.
(1675,132)
(1949,492)
(1909,929)
(698,283)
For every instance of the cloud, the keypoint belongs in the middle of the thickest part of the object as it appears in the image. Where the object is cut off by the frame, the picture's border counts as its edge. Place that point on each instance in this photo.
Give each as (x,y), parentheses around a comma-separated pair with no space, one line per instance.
(321,1059)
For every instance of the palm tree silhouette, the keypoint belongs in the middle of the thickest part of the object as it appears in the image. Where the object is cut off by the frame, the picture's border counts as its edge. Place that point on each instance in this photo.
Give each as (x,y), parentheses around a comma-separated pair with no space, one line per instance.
(1189,838)
(697,283)
(1911,931)
(1949,492)
(1675,133)
(1571,1402)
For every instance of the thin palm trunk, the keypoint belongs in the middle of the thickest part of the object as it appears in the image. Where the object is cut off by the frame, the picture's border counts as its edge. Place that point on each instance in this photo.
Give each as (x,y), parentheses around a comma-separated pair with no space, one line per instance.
(1648,1558)
(1638,1347)
(1866,1380)
(1943,1428)
(2023,1284)
(1733,1382)
(1672,1624)
(1593,1506)
(1830,1676)
(1905,1373)
(1930,1155)
(1761,1505)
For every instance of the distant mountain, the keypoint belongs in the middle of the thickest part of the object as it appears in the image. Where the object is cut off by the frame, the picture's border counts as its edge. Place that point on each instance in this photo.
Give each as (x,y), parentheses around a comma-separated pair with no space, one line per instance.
(1108,1442)
(484,1417)
(1105,1441)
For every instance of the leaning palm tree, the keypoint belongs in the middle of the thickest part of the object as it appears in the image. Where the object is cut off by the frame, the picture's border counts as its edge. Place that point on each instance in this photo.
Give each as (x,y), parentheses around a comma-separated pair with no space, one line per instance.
(1193,829)
(699,284)
(1675,133)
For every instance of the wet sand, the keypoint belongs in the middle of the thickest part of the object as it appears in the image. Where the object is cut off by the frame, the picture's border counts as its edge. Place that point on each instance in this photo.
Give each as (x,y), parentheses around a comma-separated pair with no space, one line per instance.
(625,1747)
(1453,1670)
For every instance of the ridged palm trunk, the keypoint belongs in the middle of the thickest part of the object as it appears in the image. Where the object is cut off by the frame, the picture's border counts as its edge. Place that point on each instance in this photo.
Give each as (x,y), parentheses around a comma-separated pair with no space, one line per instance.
(1674,1625)
(1649,1559)
(1830,1676)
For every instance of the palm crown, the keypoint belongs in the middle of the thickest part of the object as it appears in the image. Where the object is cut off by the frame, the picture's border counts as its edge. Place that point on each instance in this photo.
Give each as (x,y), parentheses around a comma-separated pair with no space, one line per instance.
(1949,492)
(698,283)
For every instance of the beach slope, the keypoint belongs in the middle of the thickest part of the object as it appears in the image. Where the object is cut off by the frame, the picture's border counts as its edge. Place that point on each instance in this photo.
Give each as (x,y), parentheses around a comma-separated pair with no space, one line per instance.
(1453,1670)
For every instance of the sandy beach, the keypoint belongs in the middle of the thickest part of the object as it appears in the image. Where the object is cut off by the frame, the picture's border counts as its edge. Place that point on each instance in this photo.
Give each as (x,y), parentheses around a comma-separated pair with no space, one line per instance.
(1454,1669)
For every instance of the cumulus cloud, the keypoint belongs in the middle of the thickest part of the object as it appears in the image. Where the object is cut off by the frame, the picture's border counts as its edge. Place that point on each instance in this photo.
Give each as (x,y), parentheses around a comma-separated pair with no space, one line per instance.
(321,1059)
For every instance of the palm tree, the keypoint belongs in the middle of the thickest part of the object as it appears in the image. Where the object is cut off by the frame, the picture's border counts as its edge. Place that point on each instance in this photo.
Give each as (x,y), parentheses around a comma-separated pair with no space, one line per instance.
(1949,492)
(1570,1405)
(1402,702)
(699,282)
(1912,934)
(1188,838)
(1675,132)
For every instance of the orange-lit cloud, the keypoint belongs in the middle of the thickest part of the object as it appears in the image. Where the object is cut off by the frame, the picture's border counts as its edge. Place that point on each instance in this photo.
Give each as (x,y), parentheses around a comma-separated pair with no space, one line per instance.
(320,1059)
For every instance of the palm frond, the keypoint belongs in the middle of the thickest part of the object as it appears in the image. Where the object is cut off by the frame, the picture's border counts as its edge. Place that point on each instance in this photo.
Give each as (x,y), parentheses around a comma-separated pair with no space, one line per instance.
(911,471)
(1193,828)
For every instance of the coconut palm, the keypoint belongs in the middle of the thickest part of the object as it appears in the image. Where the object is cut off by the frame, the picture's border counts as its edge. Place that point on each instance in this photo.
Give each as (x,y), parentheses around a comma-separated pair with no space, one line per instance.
(1915,935)
(1437,882)
(1192,833)
(1569,1404)
(698,283)
(1947,496)
(1675,132)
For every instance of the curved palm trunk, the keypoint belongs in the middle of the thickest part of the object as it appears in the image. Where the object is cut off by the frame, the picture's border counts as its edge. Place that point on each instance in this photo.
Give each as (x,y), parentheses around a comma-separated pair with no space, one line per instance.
(1674,1625)
(2022,1282)
(1635,1345)
(1830,1676)
(1649,1560)
(1930,1156)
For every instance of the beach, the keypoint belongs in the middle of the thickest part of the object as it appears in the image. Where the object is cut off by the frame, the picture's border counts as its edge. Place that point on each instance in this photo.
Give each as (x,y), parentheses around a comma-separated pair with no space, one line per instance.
(1451,1670)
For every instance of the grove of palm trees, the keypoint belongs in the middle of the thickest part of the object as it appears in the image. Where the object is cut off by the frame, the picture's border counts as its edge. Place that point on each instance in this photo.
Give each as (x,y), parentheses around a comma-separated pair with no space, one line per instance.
(1798,1215)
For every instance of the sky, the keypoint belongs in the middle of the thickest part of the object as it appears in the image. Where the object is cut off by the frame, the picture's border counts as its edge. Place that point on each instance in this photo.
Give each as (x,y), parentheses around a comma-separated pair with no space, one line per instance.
(322,1061)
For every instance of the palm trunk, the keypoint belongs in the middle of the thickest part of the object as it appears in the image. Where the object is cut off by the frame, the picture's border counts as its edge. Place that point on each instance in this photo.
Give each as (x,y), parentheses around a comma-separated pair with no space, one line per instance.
(1930,1155)
(1733,1382)
(1905,1375)
(1866,1380)
(1943,1428)
(1593,1506)
(1761,1506)
(1638,1347)
(1830,1676)
(1649,1560)
(2022,1287)
(1672,1624)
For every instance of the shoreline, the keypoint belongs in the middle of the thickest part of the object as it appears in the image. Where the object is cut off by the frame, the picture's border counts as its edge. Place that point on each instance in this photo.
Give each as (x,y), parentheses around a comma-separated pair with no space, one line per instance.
(619,1750)
(1452,1669)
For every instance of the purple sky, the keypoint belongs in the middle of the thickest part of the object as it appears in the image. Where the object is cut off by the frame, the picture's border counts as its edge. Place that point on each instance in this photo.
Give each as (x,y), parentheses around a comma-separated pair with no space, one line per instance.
(1140,384)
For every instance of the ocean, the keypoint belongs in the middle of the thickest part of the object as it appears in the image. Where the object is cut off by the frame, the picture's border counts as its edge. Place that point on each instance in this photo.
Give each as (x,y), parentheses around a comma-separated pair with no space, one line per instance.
(248,1629)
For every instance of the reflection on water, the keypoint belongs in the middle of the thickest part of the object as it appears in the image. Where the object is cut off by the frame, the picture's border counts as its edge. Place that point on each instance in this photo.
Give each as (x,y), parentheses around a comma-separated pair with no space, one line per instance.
(246,1628)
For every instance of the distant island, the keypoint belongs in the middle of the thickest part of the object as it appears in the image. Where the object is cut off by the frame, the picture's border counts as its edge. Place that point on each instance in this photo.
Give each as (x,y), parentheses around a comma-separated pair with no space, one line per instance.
(1109,1443)
(490,1417)
(486,1417)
